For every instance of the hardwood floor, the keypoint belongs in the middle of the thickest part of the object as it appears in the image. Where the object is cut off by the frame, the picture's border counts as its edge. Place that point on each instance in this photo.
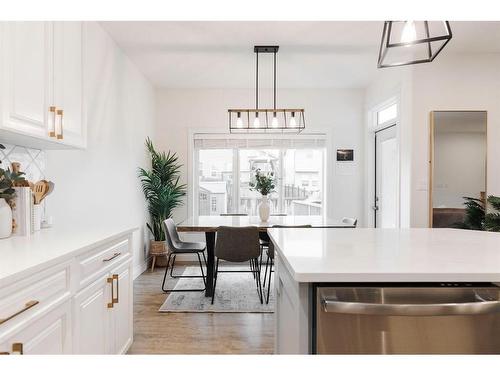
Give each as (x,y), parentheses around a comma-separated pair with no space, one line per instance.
(194,333)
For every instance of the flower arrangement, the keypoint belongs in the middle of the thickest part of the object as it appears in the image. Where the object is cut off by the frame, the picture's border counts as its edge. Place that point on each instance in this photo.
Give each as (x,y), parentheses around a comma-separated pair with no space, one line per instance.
(264,182)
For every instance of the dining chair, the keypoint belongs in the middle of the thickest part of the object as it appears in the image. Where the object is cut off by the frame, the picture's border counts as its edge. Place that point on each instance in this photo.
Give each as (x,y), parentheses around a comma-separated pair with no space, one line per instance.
(270,258)
(350,221)
(234,214)
(175,247)
(238,245)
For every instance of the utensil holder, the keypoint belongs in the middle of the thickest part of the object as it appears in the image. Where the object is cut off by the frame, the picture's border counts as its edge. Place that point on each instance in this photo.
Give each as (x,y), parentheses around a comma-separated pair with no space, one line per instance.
(37,216)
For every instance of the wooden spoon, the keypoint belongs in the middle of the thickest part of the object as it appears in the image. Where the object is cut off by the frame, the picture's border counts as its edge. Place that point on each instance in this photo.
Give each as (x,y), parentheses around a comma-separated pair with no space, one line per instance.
(39,191)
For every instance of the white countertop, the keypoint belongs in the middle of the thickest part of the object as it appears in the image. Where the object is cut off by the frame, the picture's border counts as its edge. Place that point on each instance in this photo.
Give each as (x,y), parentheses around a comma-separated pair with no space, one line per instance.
(389,255)
(20,255)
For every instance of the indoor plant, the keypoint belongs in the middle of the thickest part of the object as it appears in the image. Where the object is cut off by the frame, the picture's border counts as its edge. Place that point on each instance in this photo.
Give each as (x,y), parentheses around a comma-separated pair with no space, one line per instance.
(492,218)
(264,183)
(163,192)
(476,217)
(7,194)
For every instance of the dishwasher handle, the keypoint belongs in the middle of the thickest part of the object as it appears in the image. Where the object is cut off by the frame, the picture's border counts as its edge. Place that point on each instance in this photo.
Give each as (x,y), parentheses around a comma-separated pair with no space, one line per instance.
(467,308)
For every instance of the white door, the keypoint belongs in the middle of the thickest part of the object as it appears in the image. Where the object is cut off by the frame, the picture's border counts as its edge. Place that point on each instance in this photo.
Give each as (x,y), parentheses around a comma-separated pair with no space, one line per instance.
(26,76)
(50,334)
(122,310)
(92,318)
(386,203)
(68,80)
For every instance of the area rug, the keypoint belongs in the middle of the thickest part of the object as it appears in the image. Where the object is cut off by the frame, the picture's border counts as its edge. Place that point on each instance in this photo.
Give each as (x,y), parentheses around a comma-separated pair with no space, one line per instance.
(235,293)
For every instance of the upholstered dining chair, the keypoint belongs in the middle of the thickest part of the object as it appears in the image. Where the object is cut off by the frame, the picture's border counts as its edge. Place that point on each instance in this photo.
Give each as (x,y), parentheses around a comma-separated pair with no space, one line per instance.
(238,245)
(350,221)
(175,247)
(270,258)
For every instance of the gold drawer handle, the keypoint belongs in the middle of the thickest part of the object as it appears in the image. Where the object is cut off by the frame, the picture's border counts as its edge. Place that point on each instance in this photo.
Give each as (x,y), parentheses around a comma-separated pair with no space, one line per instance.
(112,257)
(17,348)
(59,134)
(27,306)
(52,129)
(114,299)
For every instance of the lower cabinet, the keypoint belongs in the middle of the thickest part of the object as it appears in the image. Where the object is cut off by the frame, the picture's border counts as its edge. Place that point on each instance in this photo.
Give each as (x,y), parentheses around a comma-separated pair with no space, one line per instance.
(103,314)
(48,334)
(63,310)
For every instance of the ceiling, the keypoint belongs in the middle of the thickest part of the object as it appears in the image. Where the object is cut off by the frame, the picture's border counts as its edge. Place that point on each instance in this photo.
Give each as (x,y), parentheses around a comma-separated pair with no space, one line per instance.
(336,54)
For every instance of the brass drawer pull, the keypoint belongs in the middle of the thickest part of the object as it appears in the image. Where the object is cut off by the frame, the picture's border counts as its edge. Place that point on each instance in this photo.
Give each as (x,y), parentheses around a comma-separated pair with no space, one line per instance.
(17,348)
(115,277)
(27,306)
(112,257)
(59,132)
(52,129)
(110,281)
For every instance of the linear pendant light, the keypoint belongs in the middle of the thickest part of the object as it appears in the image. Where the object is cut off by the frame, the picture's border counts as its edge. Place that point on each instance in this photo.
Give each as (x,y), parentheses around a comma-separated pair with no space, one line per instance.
(412,42)
(266,120)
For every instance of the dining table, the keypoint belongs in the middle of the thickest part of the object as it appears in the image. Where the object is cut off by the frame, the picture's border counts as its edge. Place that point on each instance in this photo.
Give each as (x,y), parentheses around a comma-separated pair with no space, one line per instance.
(210,224)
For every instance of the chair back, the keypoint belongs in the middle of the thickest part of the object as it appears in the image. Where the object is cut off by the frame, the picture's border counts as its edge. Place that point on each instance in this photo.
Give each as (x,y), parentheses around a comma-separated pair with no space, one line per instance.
(234,214)
(350,221)
(237,244)
(279,214)
(171,235)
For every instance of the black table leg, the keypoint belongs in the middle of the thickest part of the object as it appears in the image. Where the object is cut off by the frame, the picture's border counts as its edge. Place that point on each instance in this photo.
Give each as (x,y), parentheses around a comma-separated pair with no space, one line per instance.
(210,240)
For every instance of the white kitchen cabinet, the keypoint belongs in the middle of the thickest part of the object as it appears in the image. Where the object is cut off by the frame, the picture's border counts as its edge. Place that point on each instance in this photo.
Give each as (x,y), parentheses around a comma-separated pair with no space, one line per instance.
(42,84)
(49,333)
(80,305)
(92,319)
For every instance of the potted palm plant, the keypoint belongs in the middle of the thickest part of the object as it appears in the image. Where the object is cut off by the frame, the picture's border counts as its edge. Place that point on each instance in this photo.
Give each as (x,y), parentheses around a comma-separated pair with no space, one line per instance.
(264,183)
(163,192)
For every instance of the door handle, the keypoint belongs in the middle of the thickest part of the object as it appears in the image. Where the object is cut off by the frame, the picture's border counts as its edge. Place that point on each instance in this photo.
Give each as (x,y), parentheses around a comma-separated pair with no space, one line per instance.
(52,130)
(59,134)
(110,281)
(115,277)
(375,208)
(467,308)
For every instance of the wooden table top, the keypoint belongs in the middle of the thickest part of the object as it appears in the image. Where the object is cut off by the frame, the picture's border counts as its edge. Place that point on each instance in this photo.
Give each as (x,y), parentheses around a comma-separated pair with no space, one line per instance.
(211,223)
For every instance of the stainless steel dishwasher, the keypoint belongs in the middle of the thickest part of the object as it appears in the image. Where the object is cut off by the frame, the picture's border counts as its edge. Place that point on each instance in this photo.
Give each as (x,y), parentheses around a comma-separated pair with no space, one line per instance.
(429,319)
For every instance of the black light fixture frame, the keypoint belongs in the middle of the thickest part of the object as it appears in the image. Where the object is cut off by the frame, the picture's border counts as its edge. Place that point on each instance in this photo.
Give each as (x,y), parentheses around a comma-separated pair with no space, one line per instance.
(274,111)
(385,44)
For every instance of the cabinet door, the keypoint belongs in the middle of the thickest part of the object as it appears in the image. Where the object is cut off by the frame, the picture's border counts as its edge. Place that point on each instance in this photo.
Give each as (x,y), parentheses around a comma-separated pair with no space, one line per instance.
(26,77)
(91,327)
(122,310)
(68,80)
(50,334)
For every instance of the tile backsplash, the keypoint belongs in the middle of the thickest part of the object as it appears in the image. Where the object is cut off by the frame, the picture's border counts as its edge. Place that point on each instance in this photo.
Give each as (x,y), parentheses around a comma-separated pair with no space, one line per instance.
(32,160)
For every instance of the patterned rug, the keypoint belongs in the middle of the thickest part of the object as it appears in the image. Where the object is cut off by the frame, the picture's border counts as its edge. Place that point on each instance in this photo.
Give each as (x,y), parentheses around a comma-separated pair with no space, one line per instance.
(235,292)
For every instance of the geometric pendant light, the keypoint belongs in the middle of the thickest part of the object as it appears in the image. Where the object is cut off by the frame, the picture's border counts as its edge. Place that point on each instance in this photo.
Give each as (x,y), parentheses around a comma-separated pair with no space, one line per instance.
(266,120)
(412,42)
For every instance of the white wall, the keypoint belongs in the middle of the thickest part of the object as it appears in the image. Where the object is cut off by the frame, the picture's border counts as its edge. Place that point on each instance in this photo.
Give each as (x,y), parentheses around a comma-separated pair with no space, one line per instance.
(453,82)
(339,112)
(99,186)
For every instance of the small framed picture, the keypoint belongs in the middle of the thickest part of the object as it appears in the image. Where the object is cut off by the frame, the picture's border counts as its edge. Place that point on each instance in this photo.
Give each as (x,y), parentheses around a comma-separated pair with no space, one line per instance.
(345,154)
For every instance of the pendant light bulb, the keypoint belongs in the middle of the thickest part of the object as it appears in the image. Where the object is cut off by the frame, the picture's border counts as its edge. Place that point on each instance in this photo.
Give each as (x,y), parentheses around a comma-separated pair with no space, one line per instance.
(293,123)
(409,33)
(239,121)
(256,122)
(274,122)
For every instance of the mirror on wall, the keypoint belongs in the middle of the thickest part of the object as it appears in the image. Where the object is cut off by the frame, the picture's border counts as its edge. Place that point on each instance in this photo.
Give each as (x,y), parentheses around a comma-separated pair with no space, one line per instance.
(458,164)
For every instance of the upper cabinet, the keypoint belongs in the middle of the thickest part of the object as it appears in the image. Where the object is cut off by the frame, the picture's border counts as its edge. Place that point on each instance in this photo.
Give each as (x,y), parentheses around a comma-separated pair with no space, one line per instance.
(42,95)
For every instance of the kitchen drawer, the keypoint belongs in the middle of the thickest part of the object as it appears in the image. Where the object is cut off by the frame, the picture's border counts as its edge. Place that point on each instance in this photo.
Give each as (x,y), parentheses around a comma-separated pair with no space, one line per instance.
(100,260)
(27,297)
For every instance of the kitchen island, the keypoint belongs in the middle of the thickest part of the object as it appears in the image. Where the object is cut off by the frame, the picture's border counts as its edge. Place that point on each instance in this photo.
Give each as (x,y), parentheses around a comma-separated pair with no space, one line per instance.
(309,258)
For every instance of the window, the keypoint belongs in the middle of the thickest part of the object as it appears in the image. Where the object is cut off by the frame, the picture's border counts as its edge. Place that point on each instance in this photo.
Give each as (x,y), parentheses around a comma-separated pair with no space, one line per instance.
(225,175)
(387,114)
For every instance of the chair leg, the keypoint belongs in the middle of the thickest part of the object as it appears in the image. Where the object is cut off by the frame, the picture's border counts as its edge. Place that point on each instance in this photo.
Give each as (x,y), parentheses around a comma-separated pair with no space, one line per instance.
(166,272)
(153,263)
(259,285)
(269,282)
(172,268)
(215,279)
(204,258)
(201,268)
(265,272)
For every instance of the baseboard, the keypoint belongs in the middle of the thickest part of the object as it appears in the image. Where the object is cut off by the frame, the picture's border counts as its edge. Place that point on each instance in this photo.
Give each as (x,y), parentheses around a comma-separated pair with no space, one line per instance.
(138,269)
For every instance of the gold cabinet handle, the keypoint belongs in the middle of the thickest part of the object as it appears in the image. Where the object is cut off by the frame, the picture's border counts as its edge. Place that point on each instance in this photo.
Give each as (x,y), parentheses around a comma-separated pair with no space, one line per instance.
(4,353)
(112,257)
(59,133)
(115,277)
(110,281)
(52,129)
(17,348)
(27,306)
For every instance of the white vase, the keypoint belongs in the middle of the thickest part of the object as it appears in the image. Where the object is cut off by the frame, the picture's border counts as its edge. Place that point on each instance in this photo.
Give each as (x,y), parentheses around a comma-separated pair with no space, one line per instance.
(264,208)
(5,219)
